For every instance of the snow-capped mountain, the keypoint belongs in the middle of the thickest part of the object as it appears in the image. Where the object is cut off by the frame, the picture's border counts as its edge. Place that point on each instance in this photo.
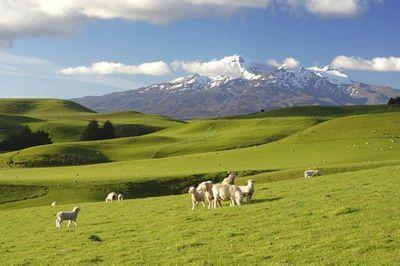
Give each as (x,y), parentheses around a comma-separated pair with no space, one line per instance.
(248,87)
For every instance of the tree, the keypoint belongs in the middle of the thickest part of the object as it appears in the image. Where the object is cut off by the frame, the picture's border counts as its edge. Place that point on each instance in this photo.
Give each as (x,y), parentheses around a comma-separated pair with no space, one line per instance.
(108,131)
(41,138)
(25,138)
(394,101)
(92,131)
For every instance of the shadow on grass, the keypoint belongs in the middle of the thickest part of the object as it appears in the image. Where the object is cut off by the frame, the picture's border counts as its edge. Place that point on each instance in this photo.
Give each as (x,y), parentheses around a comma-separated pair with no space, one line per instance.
(256,201)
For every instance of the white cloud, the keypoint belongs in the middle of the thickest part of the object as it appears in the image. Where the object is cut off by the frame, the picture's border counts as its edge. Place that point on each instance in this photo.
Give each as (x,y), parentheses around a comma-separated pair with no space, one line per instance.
(330,8)
(30,18)
(106,68)
(213,68)
(377,64)
(334,7)
(288,62)
(37,70)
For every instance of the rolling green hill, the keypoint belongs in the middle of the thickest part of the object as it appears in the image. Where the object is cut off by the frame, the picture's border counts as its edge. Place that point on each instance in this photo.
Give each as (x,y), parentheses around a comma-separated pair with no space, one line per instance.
(188,138)
(40,107)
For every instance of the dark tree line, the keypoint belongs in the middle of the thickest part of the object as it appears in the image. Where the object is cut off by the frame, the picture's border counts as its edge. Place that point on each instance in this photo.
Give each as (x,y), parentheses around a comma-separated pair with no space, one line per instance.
(394,101)
(25,138)
(94,132)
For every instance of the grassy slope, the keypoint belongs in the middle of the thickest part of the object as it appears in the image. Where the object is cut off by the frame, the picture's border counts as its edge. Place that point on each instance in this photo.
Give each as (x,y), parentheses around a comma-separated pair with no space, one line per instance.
(293,152)
(333,219)
(194,137)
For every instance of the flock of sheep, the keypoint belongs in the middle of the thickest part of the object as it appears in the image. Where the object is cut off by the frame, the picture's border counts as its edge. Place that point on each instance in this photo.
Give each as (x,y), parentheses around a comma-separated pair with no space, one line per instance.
(206,191)
(225,191)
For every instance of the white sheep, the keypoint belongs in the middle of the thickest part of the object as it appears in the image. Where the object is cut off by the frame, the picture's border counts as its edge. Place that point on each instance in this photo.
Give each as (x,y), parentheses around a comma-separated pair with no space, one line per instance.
(197,197)
(226,192)
(206,188)
(311,172)
(230,180)
(54,203)
(111,197)
(67,216)
(120,197)
(248,190)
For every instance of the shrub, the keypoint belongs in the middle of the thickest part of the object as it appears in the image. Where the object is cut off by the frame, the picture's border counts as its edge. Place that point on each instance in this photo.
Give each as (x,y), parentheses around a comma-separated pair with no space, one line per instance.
(394,101)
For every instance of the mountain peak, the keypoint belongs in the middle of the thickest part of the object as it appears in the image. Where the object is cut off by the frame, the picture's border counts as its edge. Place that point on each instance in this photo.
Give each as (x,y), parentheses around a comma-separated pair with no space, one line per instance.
(234,59)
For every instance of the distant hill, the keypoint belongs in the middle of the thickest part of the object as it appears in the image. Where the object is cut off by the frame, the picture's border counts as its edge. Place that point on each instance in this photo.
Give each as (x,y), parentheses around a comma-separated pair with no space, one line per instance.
(259,86)
(321,111)
(40,107)
(66,120)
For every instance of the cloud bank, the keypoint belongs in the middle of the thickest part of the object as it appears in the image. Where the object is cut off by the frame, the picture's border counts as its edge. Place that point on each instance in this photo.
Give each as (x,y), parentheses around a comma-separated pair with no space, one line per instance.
(377,64)
(213,68)
(35,18)
(158,68)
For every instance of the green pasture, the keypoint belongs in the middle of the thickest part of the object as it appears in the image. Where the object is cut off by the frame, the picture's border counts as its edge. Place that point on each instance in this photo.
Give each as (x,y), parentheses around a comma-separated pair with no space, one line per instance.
(343,218)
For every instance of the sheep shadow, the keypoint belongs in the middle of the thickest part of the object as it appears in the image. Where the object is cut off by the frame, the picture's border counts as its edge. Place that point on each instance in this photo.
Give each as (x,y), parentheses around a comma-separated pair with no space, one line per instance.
(257,201)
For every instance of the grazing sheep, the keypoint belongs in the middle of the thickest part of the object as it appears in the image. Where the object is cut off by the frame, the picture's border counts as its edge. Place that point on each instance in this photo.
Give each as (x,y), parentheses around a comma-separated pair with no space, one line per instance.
(226,192)
(196,197)
(120,197)
(230,180)
(111,197)
(67,216)
(248,190)
(54,203)
(206,187)
(311,172)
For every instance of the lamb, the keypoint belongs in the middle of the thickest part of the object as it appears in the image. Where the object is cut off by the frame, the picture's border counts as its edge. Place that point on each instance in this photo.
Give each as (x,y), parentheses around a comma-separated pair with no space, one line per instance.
(120,197)
(311,172)
(196,197)
(248,190)
(111,197)
(206,188)
(67,215)
(230,180)
(226,192)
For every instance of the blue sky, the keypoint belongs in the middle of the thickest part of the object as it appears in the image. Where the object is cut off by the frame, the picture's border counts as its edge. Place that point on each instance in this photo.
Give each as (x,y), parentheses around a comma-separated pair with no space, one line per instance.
(71,36)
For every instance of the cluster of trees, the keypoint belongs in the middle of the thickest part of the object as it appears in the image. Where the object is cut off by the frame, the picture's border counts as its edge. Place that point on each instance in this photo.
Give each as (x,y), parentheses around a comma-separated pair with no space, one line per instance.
(94,132)
(25,138)
(394,101)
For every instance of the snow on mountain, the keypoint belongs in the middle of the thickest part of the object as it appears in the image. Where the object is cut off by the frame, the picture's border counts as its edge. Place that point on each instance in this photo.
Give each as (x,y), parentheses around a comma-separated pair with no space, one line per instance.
(333,75)
(251,71)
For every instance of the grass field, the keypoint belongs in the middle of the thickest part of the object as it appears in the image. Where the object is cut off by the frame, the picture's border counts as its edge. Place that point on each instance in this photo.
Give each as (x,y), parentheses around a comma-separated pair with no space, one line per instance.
(334,219)
(348,215)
